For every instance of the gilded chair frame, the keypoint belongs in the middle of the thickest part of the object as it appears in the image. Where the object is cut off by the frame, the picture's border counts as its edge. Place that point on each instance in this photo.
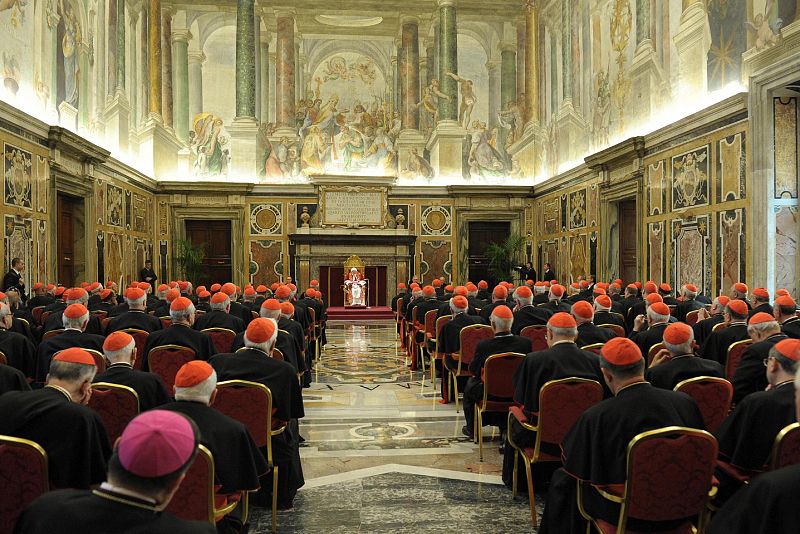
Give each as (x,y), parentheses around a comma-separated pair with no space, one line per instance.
(719,326)
(119,387)
(480,408)
(454,374)
(214,512)
(593,346)
(169,346)
(101,362)
(444,319)
(269,433)
(624,500)
(776,448)
(3,358)
(743,342)
(209,331)
(137,364)
(614,328)
(651,352)
(714,379)
(29,444)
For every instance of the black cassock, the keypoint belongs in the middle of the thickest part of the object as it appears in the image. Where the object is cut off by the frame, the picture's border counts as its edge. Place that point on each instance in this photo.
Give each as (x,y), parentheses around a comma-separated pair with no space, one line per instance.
(146,273)
(765,506)
(148,386)
(590,333)
(716,345)
(285,343)
(604,317)
(72,435)
(244,313)
(684,307)
(645,339)
(237,461)
(134,319)
(555,306)
(55,321)
(43,300)
(12,379)
(280,378)
(702,329)
(595,451)
(528,316)
(670,373)
(183,335)
(81,512)
(20,352)
(750,375)
(449,338)
(791,327)
(218,319)
(65,340)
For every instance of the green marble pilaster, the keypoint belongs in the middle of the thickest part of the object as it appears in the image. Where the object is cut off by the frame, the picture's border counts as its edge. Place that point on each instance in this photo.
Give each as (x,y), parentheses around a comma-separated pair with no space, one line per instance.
(245,59)
(120,53)
(448,59)
(642,20)
(180,82)
(508,76)
(566,48)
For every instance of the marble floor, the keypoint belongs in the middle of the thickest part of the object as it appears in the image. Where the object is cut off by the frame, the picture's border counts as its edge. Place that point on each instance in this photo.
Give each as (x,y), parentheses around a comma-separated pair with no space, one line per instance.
(382,454)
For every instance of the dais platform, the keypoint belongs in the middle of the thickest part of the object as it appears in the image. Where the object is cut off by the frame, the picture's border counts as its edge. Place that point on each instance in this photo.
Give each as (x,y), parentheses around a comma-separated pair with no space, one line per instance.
(375,313)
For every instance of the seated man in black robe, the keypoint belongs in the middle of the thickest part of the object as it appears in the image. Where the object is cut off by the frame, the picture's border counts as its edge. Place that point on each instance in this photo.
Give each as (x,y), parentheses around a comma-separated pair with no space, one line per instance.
(75,295)
(688,303)
(747,435)
(40,296)
(677,362)
(108,301)
(56,418)
(219,315)
(594,451)
(588,332)
(162,310)
(765,332)
(707,319)
(503,341)
(256,365)
(499,297)
(655,322)
(20,353)
(75,318)
(554,302)
(286,343)
(180,333)
(12,379)
(526,313)
(761,301)
(540,290)
(717,343)
(236,309)
(449,338)
(603,312)
(739,291)
(136,316)
(149,463)
(785,311)
(640,307)
(238,463)
(119,349)
(665,290)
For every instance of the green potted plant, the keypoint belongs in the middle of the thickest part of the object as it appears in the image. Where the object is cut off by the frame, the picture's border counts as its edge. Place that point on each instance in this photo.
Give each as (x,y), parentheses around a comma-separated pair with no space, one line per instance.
(190,259)
(503,257)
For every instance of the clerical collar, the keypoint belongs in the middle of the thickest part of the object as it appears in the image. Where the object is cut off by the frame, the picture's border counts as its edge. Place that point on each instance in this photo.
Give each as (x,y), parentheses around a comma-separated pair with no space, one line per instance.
(121,364)
(737,323)
(791,381)
(73,329)
(679,356)
(124,496)
(61,390)
(790,319)
(620,390)
(265,353)
(503,334)
(563,341)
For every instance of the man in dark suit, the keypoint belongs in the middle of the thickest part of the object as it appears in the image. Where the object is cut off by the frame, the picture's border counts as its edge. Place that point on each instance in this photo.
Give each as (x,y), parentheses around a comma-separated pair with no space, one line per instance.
(765,332)
(449,338)
(180,332)
(677,361)
(549,274)
(526,313)
(658,319)
(717,344)
(785,311)
(588,332)
(136,316)
(630,299)
(75,319)
(501,320)
(147,274)
(219,315)
(689,302)
(13,278)
(119,349)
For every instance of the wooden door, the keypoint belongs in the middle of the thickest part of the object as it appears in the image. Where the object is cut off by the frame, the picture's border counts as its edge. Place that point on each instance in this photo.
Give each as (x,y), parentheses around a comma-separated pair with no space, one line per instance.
(481,234)
(628,250)
(65,245)
(215,236)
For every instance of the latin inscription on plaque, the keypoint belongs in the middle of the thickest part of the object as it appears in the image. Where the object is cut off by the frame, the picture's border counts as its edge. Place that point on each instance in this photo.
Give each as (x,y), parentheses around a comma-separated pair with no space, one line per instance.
(354,207)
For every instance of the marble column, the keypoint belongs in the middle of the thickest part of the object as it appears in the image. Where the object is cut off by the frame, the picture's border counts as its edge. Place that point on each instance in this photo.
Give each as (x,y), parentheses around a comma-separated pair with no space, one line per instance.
(647,76)
(393,83)
(430,55)
(166,70)
(120,44)
(410,138)
(196,60)
(693,41)
(642,21)
(264,68)
(532,112)
(284,71)
(508,74)
(155,58)
(244,129)
(180,72)
(118,111)
(566,51)
(520,59)
(495,90)
(448,59)
(83,83)
(398,93)
(298,88)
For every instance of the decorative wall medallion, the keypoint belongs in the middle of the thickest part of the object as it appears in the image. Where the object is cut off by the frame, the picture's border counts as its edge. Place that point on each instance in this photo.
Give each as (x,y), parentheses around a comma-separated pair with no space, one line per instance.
(266,219)
(436,220)
(690,179)
(114,206)
(17,172)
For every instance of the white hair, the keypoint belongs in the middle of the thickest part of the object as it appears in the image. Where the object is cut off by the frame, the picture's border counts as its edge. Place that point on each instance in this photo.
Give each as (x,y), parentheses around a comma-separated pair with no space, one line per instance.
(683,348)
(550,295)
(656,317)
(539,289)
(82,300)
(501,325)
(563,332)
(220,306)
(200,393)
(78,323)
(687,293)
(270,314)
(5,310)
(181,315)
(268,344)
(456,310)
(523,301)
(121,355)
(138,303)
(600,307)
(763,327)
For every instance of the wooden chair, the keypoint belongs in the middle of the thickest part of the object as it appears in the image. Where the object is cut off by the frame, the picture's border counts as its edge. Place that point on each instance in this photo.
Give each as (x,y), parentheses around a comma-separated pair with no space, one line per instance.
(561,403)
(469,337)
(498,373)
(594,347)
(712,395)
(116,404)
(52,333)
(669,477)
(222,338)
(36,313)
(692,317)
(24,472)
(251,404)
(651,354)
(166,361)
(538,336)
(734,358)
(140,338)
(786,450)
(196,498)
(619,330)
(435,354)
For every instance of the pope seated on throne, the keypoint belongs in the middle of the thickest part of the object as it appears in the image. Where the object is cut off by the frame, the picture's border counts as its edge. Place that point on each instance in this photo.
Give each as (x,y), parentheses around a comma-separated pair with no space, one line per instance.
(355,287)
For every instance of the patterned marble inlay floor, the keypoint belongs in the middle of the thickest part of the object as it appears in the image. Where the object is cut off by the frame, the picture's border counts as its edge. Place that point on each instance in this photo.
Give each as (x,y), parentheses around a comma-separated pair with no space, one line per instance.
(368,418)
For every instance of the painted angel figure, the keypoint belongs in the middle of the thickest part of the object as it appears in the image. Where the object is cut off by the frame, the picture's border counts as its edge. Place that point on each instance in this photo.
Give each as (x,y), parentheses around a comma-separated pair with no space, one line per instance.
(468,99)
(766,31)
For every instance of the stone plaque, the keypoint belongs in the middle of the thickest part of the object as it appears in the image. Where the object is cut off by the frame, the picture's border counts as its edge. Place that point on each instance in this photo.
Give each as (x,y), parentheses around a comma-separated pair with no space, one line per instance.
(353,207)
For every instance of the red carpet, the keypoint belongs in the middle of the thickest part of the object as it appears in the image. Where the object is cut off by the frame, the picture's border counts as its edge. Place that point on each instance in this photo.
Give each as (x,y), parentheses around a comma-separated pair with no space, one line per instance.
(339,313)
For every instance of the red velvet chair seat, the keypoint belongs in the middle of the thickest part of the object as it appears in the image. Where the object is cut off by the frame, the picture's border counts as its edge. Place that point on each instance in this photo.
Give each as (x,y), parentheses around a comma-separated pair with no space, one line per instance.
(608,528)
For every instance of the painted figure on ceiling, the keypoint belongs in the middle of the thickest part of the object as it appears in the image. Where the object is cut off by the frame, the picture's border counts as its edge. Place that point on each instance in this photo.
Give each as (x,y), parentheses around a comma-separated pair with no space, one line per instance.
(69,46)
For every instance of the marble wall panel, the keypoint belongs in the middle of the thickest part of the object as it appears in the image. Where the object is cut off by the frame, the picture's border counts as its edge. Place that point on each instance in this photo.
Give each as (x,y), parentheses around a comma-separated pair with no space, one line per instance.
(577,209)
(691,253)
(551,212)
(563,217)
(266,261)
(99,201)
(101,255)
(114,257)
(690,178)
(731,168)
(593,254)
(435,260)
(577,258)
(42,183)
(114,205)
(19,243)
(551,254)
(656,251)
(592,203)
(656,187)
(41,251)
(786,152)
(731,244)
(787,229)
(139,213)
(128,209)
(17,177)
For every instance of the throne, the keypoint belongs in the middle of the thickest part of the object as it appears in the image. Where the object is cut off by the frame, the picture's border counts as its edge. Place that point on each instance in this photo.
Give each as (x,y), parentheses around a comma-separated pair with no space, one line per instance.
(348,287)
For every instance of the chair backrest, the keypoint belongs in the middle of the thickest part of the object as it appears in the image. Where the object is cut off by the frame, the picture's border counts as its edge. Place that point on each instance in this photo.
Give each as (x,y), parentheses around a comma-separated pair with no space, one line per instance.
(36,313)
(692,317)
(713,396)
(735,353)
(166,361)
(561,402)
(653,351)
(498,374)
(469,338)
(440,322)
(194,500)
(255,315)
(23,470)
(116,404)
(100,314)
(52,333)
(277,354)
(594,347)
(105,321)
(669,474)
(43,318)
(222,338)
(430,322)
(620,331)
(140,338)
(3,359)
(719,326)
(786,450)
(538,336)
(414,320)
(166,321)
